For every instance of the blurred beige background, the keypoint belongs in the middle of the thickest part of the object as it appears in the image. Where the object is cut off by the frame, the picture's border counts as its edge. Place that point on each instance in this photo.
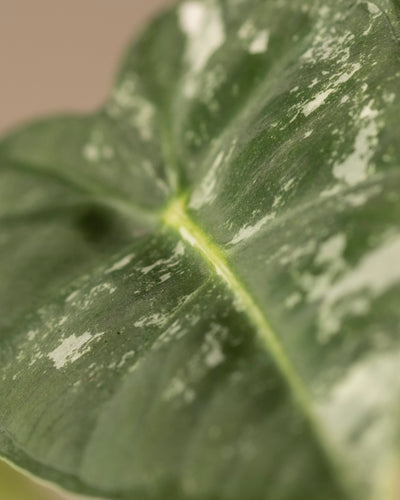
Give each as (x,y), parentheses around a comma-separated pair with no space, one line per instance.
(59,55)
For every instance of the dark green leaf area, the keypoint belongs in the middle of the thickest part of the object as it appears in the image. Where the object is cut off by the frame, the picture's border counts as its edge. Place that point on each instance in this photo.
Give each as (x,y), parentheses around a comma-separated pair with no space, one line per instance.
(199,282)
(210,397)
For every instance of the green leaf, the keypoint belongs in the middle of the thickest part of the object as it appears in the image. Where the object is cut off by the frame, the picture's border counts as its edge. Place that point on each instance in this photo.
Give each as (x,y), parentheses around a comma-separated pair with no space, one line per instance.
(17,486)
(199,283)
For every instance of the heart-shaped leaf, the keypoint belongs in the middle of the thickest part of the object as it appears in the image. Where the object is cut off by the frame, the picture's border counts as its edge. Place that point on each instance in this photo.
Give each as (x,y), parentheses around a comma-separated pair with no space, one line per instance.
(199,283)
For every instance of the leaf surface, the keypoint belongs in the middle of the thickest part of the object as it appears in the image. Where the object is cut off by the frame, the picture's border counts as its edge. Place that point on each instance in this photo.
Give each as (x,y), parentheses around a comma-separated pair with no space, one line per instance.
(199,283)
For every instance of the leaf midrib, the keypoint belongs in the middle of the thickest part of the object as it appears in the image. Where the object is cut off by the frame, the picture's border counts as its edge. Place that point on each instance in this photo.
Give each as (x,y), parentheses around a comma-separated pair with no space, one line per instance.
(176,217)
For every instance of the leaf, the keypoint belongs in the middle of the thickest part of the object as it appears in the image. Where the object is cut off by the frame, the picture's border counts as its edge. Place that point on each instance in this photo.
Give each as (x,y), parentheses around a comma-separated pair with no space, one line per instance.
(15,486)
(200,282)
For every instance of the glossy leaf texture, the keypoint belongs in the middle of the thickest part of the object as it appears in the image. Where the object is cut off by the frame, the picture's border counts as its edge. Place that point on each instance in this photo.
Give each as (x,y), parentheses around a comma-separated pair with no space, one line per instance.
(199,283)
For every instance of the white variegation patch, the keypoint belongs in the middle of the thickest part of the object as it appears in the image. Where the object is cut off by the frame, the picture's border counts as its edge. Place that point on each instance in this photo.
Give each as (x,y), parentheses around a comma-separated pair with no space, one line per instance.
(249,230)
(72,348)
(202,24)
(127,99)
(120,264)
(352,294)
(256,40)
(319,99)
(364,400)
(357,166)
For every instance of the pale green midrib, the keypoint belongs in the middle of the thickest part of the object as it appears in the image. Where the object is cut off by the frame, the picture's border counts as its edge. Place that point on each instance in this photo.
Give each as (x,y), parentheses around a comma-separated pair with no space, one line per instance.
(176,218)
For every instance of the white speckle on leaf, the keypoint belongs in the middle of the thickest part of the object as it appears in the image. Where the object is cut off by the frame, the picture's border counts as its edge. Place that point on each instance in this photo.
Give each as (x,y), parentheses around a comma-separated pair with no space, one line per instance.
(214,355)
(277,201)
(96,150)
(147,269)
(204,194)
(316,102)
(351,294)
(292,300)
(179,249)
(287,186)
(297,252)
(360,198)
(62,321)
(165,277)
(328,46)
(173,332)
(373,9)
(320,98)
(369,112)
(203,27)
(248,230)
(256,40)
(356,199)
(102,287)
(72,348)
(120,264)
(176,388)
(168,263)
(156,319)
(191,17)
(332,191)
(32,334)
(356,167)
(91,153)
(126,356)
(330,258)
(142,118)
(331,250)
(211,83)
(72,296)
(127,98)
(260,43)
(389,98)
(358,412)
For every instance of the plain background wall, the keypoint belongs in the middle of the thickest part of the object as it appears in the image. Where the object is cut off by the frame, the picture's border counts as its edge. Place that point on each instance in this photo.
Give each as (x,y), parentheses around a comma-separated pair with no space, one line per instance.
(59,55)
